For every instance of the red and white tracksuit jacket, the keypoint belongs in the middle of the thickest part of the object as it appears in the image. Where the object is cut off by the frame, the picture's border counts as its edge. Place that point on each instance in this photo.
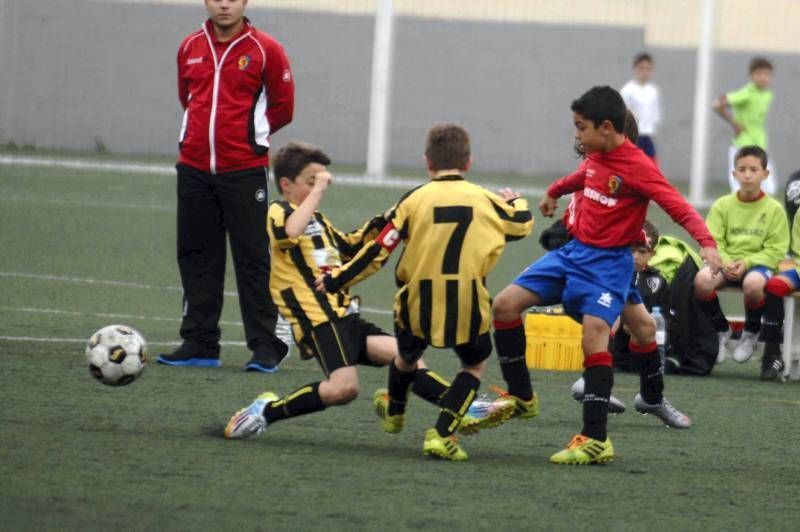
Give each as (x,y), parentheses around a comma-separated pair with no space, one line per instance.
(234,94)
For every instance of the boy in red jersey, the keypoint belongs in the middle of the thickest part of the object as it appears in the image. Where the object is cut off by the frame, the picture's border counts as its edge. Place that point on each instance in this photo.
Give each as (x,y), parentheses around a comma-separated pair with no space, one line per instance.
(591,275)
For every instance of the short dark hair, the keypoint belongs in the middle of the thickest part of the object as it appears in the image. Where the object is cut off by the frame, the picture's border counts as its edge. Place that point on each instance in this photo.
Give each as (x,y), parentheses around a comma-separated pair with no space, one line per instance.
(599,104)
(759,62)
(631,129)
(651,233)
(293,158)
(643,56)
(447,147)
(755,151)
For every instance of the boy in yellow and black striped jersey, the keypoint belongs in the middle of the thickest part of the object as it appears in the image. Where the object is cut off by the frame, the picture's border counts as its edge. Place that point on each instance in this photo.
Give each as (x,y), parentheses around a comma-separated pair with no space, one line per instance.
(304,245)
(453,233)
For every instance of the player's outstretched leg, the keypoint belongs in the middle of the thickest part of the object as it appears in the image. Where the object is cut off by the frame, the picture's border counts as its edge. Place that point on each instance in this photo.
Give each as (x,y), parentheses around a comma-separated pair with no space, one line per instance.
(250,420)
(268,408)
(509,339)
(647,361)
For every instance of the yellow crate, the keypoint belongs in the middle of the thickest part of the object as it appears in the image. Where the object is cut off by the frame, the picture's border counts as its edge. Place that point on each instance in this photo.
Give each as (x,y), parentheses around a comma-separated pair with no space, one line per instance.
(553,341)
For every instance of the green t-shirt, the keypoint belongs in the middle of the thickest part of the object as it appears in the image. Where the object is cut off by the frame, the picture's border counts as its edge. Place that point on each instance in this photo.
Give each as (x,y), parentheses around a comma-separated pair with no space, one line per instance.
(756,231)
(750,107)
(796,239)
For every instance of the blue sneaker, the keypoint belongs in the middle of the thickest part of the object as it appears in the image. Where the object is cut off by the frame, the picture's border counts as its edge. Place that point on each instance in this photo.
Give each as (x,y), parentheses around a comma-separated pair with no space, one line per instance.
(189,355)
(250,420)
(266,360)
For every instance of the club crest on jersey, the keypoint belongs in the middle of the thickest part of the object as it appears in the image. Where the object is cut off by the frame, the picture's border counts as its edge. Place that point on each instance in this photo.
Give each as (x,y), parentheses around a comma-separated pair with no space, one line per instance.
(614,183)
(653,283)
(261,194)
(244,61)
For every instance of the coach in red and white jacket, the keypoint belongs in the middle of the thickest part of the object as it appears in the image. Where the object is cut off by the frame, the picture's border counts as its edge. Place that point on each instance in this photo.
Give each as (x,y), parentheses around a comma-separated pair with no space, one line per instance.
(236,87)
(235,93)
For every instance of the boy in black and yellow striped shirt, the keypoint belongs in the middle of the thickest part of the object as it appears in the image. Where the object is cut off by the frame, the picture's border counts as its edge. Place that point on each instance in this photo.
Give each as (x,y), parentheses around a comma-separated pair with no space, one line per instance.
(453,233)
(305,245)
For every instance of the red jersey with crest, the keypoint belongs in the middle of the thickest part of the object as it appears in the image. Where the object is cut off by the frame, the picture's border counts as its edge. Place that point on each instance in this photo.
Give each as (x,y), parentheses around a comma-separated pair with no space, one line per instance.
(617,187)
(235,94)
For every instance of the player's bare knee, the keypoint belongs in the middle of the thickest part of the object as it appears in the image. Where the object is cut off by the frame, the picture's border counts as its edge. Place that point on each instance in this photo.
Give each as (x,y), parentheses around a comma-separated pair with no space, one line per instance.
(703,282)
(344,393)
(644,331)
(504,308)
(595,336)
(753,288)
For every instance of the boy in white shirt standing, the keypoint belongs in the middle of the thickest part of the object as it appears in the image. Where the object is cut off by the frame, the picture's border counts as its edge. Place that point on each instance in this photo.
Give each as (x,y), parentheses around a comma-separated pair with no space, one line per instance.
(642,98)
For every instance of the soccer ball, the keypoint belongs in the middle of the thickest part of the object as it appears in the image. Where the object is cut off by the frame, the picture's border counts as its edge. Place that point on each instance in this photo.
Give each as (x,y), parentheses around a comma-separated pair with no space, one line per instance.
(116,355)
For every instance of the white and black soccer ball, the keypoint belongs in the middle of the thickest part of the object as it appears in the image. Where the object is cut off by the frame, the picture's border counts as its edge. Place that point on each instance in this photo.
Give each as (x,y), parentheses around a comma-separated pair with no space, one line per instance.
(116,354)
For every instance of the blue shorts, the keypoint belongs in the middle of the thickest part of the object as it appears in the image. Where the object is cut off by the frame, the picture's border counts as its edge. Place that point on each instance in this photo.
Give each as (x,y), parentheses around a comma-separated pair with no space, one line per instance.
(585,279)
(763,270)
(634,296)
(793,276)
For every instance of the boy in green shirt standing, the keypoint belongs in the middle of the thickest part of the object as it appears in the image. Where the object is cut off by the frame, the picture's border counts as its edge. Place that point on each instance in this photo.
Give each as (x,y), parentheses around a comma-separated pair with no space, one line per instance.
(750,105)
(752,235)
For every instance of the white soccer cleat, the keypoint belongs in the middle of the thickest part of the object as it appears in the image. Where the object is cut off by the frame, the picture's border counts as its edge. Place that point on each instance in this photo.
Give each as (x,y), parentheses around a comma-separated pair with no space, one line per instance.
(746,346)
(615,406)
(722,353)
(668,414)
(250,420)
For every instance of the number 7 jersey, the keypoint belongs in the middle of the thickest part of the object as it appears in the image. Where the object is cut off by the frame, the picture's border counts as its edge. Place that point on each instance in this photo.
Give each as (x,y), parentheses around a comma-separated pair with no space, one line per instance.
(453,233)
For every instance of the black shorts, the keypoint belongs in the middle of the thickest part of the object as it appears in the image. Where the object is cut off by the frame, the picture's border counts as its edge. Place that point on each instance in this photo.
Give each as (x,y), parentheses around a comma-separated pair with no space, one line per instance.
(340,343)
(471,354)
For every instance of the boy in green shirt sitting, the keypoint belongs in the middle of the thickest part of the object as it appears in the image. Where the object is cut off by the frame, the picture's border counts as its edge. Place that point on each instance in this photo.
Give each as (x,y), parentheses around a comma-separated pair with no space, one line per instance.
(752,235)
(750,105)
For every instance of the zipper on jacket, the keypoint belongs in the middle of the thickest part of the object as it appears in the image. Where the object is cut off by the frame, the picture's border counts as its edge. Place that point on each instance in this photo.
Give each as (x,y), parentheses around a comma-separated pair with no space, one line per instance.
(212,161)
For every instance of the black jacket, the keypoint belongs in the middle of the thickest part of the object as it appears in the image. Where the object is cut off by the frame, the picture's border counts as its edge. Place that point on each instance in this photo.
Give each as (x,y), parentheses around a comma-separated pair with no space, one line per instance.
(655,292)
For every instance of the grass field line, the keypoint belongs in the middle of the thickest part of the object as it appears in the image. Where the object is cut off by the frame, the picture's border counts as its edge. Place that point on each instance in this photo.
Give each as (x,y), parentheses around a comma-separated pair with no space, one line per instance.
(164,169)
(102,315)
(87,203)
(48,339)
(141,286)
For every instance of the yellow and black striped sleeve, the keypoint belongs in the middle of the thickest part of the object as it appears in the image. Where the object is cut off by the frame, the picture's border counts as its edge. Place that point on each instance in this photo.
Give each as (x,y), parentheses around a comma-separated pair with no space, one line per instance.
(349,244)
(515,217)
(374,254)
(277,214)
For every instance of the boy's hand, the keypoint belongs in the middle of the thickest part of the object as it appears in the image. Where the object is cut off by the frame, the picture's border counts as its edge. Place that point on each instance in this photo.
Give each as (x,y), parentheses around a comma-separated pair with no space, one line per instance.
(322,180)
(712,259)
(548,206)
(508,195)
(735,270)
(319,283)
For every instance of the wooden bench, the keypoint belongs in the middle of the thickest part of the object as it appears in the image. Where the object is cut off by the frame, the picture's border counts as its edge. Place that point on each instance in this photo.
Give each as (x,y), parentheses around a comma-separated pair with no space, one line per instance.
(791,334)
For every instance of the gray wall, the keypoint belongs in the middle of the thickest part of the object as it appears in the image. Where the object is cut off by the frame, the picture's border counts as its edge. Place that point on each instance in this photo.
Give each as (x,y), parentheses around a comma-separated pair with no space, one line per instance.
(80,74)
